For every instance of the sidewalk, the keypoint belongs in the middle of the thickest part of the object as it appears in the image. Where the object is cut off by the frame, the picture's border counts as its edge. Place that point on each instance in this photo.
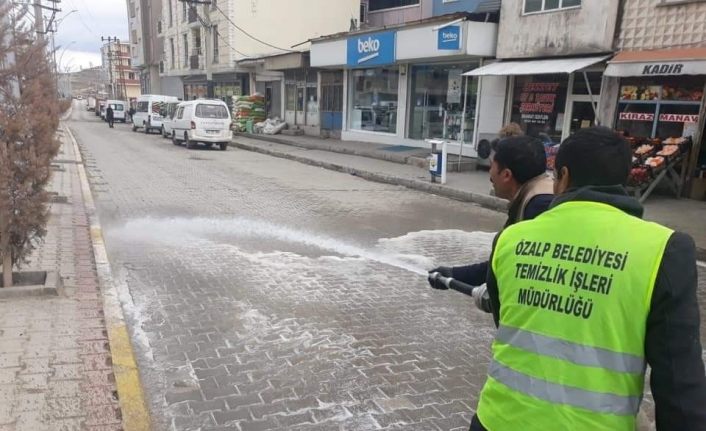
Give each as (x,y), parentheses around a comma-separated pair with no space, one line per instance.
(56,370)
(400,165)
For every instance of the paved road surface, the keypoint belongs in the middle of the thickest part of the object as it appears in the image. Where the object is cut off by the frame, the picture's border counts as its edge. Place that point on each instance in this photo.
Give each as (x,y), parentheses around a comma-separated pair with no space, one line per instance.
(266,294)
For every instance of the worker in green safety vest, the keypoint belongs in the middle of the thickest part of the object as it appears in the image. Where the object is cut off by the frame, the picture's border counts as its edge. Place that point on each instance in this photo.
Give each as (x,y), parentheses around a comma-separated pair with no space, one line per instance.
(585,296)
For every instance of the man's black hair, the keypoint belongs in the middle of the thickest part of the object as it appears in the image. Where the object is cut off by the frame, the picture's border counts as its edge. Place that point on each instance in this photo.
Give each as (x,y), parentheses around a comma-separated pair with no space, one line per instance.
(596,156)
(524,156)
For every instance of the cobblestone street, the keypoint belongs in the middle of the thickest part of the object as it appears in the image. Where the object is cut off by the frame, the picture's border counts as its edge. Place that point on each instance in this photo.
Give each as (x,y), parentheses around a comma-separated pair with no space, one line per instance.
(266,294)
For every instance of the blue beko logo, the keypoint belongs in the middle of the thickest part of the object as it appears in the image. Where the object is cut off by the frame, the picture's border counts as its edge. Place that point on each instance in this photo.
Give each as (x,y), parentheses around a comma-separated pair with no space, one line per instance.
(450,38)
(375,49)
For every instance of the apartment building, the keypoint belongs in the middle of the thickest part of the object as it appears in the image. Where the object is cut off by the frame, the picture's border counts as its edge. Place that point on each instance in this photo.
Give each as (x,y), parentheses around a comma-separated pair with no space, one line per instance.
(121,80)
(147,42)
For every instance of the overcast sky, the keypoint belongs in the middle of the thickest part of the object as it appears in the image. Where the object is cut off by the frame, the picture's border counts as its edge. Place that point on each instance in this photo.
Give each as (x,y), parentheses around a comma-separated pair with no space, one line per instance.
(78,39)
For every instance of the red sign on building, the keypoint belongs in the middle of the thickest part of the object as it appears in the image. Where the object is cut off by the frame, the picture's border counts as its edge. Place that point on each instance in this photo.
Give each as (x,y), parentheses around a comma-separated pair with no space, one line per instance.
(636,116)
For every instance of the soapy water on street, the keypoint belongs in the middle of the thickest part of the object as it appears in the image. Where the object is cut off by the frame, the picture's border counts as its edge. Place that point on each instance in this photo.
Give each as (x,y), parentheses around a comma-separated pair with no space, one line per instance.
(408,252)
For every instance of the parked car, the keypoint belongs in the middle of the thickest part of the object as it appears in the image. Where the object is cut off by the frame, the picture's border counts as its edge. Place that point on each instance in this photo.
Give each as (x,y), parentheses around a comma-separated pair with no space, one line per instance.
(148,112)
(205,121)
(168,111)
(91,104)
(119,110)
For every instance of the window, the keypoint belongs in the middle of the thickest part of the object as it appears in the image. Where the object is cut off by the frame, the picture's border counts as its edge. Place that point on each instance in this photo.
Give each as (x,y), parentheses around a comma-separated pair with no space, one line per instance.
(171,13)
(186,50)
(132,10)
(538,104)
(131,75)
(215,44)
(533,6)
(374,99)
(185,13)
(171,52)
(659,108)
(211,111)
(142,106)
(159,27)
(180,113)
(374,5)
(437,99)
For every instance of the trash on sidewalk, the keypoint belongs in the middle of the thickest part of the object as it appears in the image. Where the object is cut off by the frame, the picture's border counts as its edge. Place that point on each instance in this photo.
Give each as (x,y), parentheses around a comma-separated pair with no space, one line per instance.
(270,126)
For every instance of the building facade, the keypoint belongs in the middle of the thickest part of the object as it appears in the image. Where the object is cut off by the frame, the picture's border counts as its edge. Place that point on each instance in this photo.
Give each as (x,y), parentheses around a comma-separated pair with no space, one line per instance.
(147,42)
(654,86)
(404,83)
(121,80)
(552,57)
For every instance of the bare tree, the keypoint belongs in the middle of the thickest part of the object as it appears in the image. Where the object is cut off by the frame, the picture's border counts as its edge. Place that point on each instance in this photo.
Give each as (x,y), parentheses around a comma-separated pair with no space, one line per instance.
(29,118)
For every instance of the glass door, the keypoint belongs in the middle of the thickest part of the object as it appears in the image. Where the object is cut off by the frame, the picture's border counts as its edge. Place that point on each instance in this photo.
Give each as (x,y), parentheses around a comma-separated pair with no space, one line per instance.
(582,116)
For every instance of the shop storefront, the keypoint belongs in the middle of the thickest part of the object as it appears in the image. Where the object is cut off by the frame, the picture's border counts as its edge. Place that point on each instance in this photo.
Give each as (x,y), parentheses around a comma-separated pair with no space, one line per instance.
(225,86)
(195,87)
(552,98)
(660,104)
(405,85)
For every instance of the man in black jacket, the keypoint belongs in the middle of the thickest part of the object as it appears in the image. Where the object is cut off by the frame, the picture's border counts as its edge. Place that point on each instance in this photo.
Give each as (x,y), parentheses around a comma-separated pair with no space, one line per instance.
(518,174)
(592,169)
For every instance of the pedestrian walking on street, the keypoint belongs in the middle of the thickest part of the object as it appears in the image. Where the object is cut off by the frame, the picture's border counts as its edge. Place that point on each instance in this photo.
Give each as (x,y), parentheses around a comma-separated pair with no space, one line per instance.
(518,174)
(585,296)
(131,112)
(109,116)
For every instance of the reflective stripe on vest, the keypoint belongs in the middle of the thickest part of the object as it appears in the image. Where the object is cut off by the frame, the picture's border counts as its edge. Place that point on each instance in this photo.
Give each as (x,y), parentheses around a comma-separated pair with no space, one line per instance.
(595,401)
(575,287)
(573,352)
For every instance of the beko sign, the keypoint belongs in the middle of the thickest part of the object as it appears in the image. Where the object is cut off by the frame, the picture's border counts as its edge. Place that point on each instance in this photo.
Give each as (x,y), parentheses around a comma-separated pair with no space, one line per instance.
(376,49)
(449,38)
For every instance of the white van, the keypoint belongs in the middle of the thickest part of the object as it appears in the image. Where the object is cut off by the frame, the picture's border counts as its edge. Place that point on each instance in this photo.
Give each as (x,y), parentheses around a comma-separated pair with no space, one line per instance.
(205,121)
(148,112)
(168,115)
(119,109)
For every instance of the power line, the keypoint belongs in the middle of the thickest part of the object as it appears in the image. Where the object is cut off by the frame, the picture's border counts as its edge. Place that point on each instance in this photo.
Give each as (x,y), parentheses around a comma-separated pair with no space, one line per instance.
(248,34)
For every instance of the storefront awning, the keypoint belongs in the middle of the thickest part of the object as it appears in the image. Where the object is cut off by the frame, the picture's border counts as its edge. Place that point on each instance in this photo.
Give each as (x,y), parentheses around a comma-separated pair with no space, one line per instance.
(536,67)
(688,61)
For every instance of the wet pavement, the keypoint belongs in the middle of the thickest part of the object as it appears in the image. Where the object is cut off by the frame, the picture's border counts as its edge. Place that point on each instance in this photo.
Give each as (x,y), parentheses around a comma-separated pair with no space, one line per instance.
(266,294)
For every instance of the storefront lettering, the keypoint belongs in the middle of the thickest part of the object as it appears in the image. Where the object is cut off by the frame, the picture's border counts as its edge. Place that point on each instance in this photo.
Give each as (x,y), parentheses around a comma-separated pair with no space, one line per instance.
(636,116)
(536,99)
(371,49)
(663,69)
(679,118)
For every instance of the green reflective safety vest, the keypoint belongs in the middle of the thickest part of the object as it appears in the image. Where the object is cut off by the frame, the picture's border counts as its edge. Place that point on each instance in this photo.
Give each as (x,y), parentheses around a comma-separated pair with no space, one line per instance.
(575,286)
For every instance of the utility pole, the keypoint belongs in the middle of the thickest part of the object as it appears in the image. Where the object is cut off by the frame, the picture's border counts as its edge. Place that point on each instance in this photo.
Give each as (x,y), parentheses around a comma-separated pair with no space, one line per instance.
(39,20)
(110,63)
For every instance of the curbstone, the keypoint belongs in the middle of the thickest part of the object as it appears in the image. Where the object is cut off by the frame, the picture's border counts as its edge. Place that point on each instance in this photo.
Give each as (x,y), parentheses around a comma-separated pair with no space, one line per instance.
(133,415)
(485,201)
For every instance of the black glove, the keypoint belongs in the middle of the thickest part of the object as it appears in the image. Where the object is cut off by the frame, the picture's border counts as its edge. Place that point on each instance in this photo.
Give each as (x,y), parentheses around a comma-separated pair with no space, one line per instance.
(444,271)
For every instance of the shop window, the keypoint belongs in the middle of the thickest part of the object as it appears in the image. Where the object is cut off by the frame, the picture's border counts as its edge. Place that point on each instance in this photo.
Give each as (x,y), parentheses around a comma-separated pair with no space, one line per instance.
(534,6)
(374,100)
(437,104)
(660,107)
(312,100)
(594,80)
(374,5)
(538,105)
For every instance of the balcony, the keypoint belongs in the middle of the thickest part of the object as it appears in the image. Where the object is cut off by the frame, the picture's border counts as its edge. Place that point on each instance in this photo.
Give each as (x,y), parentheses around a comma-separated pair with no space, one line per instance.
(195,62)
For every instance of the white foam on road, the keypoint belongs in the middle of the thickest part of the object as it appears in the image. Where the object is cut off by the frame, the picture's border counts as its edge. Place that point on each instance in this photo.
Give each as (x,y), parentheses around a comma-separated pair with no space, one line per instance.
(184,231)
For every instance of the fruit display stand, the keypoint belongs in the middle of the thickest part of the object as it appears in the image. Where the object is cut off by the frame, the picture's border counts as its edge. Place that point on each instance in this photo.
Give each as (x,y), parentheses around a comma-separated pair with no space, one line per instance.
(658,162)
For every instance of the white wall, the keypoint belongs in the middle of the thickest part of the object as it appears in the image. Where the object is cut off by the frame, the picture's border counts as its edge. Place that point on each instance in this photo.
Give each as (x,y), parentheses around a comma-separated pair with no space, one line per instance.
(286,23)
(588,29)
